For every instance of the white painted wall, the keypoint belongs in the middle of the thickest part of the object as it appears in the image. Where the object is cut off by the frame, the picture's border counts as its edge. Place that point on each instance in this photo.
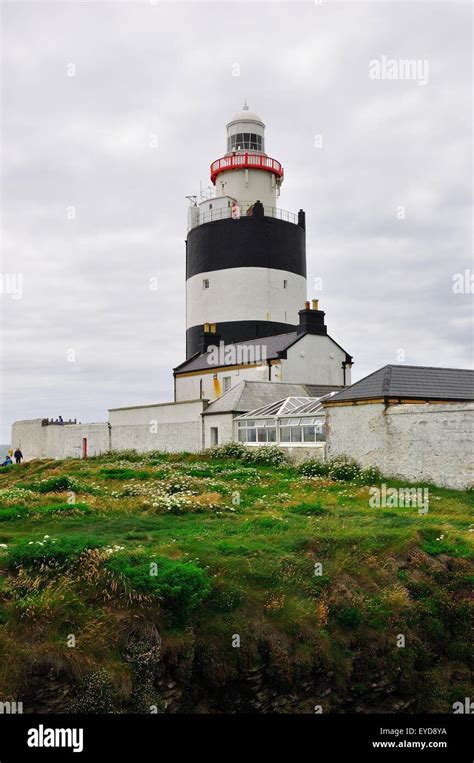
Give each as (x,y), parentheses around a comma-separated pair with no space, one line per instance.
(98,439)
(237,294)
(187,387)
(225,425)
(425,443)
(58,441)
(314,359)
(248,185)
(167,427)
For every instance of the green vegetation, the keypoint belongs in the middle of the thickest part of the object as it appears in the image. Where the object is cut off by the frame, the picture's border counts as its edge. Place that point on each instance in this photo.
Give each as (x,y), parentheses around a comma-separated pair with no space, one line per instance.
(201,547)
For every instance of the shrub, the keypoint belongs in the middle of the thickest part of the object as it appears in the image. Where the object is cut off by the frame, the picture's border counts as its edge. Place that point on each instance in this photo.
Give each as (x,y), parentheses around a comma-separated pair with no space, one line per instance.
(343,468)
(229,450)
(181,586)
(313,467)
(96,694)
(371,476)
(48,550)
(265,455)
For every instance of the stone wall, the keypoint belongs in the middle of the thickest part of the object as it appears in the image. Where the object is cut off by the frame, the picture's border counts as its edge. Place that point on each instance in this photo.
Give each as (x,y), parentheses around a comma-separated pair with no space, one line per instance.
(417,442)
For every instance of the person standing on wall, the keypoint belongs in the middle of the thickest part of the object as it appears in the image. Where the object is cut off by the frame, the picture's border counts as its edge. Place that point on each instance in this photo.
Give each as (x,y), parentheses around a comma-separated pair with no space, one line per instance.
(18,456)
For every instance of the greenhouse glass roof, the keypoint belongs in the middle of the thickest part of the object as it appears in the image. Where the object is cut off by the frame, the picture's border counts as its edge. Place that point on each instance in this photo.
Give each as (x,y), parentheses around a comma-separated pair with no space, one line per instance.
(289,406)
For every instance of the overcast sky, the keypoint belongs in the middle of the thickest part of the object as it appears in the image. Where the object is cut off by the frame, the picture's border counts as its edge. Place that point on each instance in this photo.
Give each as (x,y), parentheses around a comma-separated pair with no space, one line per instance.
(387,195)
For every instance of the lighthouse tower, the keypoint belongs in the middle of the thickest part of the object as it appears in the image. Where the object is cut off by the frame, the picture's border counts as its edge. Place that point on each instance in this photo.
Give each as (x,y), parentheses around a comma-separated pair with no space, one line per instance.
(245,257)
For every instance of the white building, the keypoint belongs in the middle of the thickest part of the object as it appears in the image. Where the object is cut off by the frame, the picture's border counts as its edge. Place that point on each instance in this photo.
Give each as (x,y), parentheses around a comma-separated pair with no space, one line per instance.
(411,422)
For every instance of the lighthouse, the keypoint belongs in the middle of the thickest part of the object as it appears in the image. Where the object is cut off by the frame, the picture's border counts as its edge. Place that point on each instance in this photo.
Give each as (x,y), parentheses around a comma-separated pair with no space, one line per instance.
(245,256)
(247,313)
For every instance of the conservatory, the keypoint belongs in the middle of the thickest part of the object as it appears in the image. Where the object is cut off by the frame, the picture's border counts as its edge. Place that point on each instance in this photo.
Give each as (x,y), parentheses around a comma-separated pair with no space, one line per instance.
(290,422)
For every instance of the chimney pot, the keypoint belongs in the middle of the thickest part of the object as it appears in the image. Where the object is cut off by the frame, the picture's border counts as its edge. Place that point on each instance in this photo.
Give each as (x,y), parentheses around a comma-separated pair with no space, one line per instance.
(315,303)
(306,305)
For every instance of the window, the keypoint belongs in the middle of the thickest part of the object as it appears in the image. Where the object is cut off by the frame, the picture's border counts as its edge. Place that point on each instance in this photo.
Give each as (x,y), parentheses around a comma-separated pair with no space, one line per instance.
(226,382)
(285,284)
(307,427)
(261,431)
(248,141)
(205,283)
(214,436)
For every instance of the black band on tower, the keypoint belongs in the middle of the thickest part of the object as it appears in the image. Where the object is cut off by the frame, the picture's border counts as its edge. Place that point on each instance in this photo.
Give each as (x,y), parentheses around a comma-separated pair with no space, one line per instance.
(249,242)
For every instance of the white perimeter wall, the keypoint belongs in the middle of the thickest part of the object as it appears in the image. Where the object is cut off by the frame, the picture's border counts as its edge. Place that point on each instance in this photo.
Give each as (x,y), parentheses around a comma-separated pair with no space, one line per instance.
(167,427)
(242,294)
(58,441)
(425,443)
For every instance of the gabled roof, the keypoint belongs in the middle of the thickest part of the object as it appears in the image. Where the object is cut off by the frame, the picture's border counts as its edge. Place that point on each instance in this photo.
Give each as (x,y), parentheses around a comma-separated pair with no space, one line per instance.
(411,382)
(268,347)
(248,395)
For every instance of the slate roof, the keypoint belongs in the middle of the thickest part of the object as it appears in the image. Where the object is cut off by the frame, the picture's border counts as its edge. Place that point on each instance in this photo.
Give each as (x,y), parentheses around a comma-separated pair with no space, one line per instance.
(273,345)
(248,395)
(412,382)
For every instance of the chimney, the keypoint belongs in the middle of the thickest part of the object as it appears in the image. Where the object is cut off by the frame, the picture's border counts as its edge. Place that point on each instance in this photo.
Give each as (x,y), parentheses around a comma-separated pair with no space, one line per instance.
(209,336)
(311,320)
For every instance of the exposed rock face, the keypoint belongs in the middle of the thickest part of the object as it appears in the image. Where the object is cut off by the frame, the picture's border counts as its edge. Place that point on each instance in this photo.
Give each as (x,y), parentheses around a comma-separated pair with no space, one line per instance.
(48,691)
(173,682)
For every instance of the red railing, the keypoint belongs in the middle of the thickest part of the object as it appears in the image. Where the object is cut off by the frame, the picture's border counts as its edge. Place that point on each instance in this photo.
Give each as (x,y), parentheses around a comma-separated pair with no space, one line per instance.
(245,162)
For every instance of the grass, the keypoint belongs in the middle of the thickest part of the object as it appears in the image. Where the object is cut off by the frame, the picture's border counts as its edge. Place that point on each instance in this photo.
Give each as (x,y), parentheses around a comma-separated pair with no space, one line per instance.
(203,547)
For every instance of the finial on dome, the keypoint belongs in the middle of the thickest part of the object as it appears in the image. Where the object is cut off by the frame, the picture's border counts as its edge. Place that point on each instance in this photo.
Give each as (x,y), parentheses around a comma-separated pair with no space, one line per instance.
(245,106)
